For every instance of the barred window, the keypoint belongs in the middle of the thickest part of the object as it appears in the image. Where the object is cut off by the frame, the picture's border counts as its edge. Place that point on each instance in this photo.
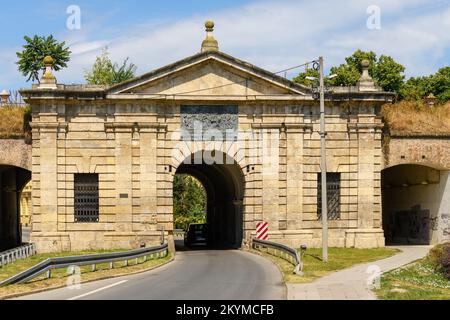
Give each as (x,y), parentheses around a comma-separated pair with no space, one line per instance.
(333,193)
(86,198)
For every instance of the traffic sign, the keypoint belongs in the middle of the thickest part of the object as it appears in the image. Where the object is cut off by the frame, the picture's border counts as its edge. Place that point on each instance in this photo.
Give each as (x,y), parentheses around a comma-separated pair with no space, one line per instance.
(262,231)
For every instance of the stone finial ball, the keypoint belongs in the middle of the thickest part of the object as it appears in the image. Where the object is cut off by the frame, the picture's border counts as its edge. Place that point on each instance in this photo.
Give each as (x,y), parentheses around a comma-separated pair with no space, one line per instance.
(48,60)
(365,63)
(209,25)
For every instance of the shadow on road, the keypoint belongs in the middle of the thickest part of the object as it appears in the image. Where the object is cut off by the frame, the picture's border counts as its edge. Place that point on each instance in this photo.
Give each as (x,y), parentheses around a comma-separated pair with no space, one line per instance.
(179,246)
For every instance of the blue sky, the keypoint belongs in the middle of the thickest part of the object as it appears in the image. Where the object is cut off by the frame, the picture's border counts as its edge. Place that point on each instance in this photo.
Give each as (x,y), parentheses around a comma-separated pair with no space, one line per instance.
(273,34)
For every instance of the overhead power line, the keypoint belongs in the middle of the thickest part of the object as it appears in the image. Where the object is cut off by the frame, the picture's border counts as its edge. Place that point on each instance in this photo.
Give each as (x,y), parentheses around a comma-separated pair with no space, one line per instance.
(296,67)
(243,81)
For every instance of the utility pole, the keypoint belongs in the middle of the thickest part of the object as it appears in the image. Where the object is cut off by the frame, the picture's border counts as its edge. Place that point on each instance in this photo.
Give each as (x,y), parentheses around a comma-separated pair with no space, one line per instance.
(323,163)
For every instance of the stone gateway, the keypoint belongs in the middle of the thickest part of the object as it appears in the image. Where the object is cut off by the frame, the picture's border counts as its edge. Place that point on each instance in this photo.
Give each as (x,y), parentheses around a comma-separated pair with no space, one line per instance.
(104,158)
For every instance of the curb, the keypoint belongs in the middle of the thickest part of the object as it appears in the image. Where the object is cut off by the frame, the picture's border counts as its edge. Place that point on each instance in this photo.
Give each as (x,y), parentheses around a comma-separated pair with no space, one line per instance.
(16,295)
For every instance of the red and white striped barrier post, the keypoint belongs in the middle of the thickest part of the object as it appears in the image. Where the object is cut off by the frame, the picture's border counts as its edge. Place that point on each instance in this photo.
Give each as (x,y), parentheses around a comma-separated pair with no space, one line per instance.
(262,231)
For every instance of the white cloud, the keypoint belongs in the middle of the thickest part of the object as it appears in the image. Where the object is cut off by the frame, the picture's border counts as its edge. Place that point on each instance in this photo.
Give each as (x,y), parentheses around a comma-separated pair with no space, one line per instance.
(280,34)
(421,43)
(86,47)
(8,67)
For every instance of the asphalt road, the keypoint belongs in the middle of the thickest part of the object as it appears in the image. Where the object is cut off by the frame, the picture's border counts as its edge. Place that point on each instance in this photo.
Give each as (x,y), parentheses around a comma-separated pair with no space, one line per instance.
(194,275)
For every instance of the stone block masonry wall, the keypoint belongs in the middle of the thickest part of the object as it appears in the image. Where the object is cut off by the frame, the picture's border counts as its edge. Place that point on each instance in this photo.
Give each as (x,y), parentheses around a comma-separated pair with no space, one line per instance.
(354,151)
(131,147)
(15,152)
(85,139)
(415,149)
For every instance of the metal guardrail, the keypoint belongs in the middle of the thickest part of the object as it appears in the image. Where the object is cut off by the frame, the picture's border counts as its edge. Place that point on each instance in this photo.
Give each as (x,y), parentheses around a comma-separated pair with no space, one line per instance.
(94,259)
(19,253)
(289,254)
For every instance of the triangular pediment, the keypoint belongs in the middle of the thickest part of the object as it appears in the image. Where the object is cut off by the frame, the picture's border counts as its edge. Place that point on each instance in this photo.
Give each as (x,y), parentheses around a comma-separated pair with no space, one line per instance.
(209,74)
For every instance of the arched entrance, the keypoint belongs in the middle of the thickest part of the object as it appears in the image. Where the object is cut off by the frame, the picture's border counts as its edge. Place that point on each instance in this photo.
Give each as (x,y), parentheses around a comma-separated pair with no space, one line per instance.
(12,181)
(415,204)
(224,183)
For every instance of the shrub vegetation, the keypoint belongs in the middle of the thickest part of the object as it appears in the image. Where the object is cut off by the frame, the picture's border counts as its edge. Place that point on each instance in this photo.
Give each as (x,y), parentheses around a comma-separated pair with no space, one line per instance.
(15,122)
(416,118)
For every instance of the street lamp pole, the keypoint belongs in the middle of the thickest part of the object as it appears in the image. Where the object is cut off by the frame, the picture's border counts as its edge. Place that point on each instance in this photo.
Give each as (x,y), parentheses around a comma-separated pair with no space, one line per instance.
(323,163)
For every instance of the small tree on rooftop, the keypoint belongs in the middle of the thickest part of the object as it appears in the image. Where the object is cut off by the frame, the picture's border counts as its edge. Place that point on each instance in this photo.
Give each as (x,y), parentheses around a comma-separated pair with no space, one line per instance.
(31,59)
(105,72)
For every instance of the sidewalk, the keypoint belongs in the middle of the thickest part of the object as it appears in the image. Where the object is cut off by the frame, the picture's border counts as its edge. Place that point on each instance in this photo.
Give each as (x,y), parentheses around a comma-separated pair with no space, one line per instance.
(351,284)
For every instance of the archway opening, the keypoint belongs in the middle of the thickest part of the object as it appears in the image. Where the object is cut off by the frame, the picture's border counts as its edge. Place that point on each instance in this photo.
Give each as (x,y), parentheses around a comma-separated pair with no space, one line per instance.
(223,182)
(413,201)
(12,182)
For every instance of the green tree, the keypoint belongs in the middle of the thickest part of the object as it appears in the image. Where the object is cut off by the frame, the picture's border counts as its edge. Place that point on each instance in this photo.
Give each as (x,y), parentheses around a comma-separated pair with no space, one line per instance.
(124,72)
(105,72)
(347,75)
(355,60)
(415,88)
(387,73)
(30,61)
(189,201)
(438,84)
(301,78)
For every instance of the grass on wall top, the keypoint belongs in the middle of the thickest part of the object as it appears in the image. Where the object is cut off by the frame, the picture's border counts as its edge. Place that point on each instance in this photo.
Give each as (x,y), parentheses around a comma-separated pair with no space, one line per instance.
(15,122)
(417,118)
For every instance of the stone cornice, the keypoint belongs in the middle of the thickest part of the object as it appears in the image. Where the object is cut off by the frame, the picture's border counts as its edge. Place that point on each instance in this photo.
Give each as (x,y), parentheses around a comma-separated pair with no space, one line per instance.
(412,135)
(69,96)
(284,126)
(298,127)
(135,126)
(64,92)
(364,127)
(49,126)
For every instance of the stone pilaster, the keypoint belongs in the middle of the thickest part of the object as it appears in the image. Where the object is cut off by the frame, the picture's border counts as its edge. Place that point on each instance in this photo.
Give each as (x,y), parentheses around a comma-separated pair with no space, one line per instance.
(63,217)
(36,179)
(48,170)
(271,177)
(123,179)
(294,176)
(282,181)
(148,176)
(366,168)
(165,175)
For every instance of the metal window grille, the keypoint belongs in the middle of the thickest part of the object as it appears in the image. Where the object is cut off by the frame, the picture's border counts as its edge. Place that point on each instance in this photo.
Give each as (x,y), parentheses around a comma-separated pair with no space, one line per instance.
(86,198)
(333,193)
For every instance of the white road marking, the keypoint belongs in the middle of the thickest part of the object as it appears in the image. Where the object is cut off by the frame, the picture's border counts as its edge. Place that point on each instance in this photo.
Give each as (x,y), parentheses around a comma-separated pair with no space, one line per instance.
(98,290)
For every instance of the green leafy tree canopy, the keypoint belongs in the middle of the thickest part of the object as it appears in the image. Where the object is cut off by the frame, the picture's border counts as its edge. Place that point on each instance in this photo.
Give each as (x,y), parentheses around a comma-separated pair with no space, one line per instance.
(189,201)
(386,72)
(31,59)
(105,72)
(301,78)
(438,84)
